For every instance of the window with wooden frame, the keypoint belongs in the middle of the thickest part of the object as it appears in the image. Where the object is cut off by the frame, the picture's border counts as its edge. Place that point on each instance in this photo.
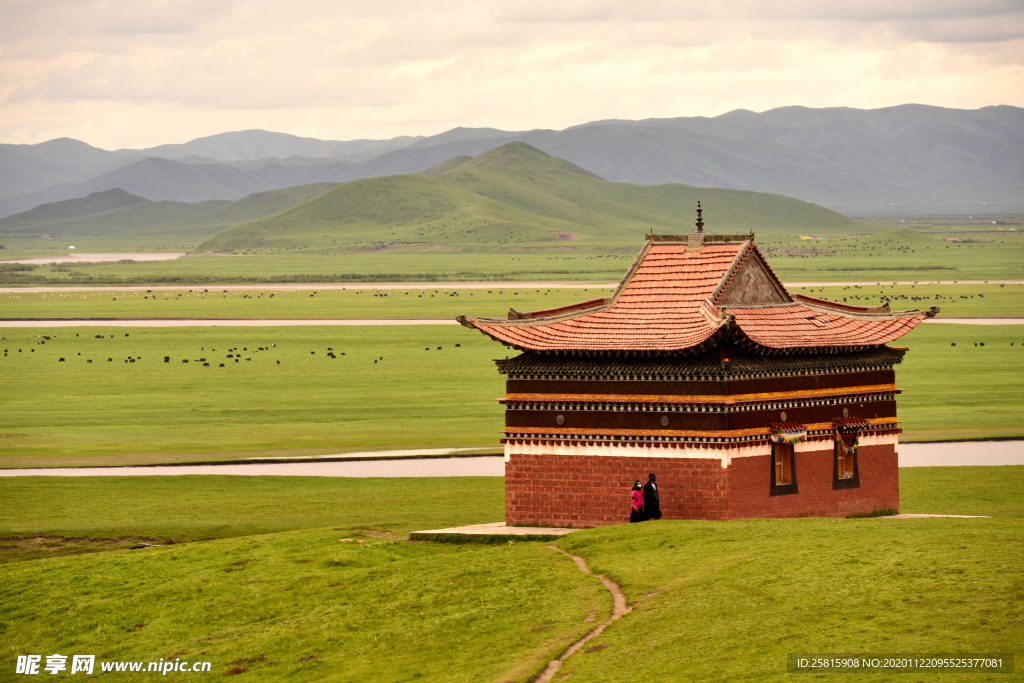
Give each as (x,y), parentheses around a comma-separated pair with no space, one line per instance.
(783,473)
(845,470)
(844,464)
(783,464)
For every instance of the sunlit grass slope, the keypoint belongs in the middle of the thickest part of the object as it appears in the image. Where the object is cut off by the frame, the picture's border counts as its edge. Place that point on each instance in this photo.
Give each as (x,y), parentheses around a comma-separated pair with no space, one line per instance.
(711,601)
(251,207)
(729,601)
(303,606)
(203,507)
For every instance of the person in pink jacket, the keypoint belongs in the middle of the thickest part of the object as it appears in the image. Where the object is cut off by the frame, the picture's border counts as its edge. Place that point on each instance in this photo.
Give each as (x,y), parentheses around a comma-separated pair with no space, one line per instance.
(636,497)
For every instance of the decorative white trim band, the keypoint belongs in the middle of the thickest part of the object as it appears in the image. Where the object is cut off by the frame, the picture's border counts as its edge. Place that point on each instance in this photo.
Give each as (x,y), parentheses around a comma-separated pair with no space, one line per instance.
(725,454)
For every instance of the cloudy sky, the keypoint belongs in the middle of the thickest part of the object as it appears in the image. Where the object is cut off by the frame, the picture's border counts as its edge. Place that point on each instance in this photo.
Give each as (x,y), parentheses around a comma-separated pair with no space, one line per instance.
(137,73)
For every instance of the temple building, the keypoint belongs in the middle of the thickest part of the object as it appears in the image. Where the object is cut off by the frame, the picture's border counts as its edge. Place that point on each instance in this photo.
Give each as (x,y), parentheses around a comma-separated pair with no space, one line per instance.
(744,399)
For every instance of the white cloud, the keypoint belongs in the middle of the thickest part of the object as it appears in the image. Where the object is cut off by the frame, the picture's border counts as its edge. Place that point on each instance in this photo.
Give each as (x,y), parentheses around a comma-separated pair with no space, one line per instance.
(142,72)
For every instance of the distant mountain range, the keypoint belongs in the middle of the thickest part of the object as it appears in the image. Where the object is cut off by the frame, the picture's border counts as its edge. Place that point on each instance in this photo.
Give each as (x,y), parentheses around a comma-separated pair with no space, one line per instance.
(514,195)
(910,158)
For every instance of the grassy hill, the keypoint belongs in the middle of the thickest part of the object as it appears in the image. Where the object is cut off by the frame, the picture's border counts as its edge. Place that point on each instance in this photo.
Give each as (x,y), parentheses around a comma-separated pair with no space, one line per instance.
(119,213)
(445,166)
(132,220)
(251,207)
(513,195)
(69,209)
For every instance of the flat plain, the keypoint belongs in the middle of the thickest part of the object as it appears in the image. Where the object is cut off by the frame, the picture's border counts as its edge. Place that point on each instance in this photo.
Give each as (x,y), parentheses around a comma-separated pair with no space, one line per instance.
(285,303)
(274,590)
(385,387)
(955,301)
(264,391)
(881,253)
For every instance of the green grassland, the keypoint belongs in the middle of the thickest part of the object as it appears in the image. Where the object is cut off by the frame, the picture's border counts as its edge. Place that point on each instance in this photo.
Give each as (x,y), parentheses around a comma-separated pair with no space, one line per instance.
(118,412)
(301,604)
(955,301)
(963,391)
(39,247)
(712,601)
(749,593)
(202,507)
(895,254)
(287,303)
(384,386)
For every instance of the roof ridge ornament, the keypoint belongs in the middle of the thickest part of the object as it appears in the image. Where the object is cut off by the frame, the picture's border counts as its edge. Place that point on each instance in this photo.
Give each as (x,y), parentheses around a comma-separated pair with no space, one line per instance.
(700,220)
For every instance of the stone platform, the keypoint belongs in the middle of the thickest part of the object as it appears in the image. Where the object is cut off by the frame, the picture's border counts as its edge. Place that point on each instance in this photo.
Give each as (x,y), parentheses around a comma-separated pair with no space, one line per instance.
(494,532)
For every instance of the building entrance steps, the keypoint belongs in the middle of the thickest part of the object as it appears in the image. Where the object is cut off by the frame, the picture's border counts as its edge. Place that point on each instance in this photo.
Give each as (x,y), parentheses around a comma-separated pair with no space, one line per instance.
(901,516)
(493,532)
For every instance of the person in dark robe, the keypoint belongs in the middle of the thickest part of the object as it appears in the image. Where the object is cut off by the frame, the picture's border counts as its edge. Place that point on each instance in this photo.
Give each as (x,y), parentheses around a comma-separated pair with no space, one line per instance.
(652,499)
(636,499)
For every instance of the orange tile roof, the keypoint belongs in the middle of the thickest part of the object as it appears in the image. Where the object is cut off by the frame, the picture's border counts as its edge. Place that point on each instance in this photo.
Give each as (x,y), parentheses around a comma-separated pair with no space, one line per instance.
(666,303)
(801,327)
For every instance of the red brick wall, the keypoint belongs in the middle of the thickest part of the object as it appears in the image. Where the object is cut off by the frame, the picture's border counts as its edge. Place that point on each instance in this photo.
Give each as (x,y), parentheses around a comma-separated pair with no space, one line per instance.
(879,485)
(594,490)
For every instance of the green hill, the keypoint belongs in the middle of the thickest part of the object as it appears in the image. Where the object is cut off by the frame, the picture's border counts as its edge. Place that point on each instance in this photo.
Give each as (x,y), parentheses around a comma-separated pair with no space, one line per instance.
(28,222)
(519,156)
(445,166)
(134,219)
(139,217)
(515,195)
(251,207)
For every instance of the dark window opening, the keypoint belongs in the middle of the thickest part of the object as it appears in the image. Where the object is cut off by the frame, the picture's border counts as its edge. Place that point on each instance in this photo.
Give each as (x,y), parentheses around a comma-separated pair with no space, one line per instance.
(783,471)
(845,469)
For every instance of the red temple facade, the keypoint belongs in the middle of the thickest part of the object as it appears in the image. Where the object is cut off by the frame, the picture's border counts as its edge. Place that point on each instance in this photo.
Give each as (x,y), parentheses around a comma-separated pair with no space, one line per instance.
(745,400)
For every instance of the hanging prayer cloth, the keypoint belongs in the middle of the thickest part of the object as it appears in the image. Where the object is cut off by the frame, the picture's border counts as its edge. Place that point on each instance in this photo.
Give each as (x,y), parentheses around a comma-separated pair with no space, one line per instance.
(787,433)
(844,449)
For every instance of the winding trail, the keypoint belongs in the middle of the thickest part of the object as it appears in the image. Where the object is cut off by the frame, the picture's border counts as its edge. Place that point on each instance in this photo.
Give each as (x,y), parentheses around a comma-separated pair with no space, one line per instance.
(619,608)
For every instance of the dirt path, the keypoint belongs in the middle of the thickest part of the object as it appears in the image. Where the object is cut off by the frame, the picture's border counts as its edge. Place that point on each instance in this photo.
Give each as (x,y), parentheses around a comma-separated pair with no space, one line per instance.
(99,258)
(619,608)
